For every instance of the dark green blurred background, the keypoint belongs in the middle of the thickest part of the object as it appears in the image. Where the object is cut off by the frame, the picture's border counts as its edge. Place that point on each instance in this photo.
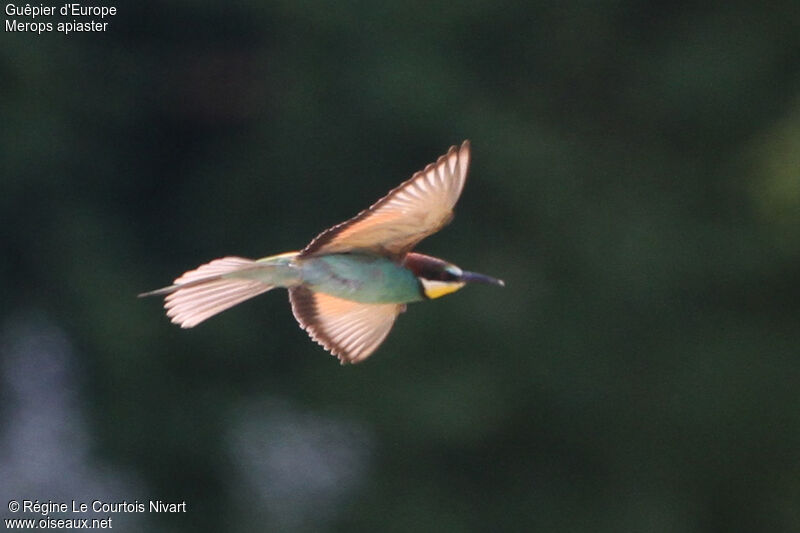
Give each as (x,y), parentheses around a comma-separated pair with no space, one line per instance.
(635,180)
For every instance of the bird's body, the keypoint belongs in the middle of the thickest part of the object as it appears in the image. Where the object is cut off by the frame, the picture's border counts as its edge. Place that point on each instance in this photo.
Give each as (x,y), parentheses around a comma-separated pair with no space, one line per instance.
(350,283)
(364,278)
(360,277)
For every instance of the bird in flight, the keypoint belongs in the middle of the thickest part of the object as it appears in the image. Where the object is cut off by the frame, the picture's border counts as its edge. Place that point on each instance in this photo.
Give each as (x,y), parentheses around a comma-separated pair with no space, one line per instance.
(351,282)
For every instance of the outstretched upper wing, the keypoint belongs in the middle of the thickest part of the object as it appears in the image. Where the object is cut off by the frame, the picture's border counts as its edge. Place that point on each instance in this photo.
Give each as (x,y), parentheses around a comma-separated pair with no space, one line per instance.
(410,212)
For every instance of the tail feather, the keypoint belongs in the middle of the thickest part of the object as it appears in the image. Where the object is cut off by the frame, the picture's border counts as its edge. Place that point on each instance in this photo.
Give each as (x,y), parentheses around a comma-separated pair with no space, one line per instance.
(217,267)
(190,309)
(209,289)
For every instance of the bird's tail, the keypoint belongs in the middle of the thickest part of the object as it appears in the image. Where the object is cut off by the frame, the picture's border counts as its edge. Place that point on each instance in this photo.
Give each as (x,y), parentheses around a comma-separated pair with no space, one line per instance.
(216,286)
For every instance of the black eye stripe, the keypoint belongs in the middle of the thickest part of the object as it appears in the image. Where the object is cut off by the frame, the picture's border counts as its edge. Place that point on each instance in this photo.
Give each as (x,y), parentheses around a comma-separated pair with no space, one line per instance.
(432,269)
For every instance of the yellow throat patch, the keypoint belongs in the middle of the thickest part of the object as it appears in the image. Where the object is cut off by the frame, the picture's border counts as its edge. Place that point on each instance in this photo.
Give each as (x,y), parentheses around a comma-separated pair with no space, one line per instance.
(437,289)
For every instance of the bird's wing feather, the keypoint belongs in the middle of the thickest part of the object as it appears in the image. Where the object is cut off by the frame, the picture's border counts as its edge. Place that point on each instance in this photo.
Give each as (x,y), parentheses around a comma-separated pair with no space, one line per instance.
(418,207)
(349,330)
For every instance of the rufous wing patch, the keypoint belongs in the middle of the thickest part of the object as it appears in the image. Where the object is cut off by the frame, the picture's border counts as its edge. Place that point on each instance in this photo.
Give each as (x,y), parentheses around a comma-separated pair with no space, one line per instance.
(416,208)
(349,330)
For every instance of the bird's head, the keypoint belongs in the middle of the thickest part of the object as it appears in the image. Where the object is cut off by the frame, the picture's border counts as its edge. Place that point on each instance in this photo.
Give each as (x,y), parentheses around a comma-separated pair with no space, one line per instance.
(439,277)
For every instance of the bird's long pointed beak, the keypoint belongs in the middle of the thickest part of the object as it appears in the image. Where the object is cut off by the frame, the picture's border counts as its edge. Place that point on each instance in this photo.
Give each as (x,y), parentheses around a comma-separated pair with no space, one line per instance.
(474,277)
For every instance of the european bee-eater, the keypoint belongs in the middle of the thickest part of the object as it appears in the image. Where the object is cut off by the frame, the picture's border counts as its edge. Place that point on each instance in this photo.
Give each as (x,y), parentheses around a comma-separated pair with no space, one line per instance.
(350,283)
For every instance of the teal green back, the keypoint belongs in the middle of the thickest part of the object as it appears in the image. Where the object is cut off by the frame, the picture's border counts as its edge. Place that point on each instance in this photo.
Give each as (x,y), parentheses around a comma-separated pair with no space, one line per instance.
(361,277)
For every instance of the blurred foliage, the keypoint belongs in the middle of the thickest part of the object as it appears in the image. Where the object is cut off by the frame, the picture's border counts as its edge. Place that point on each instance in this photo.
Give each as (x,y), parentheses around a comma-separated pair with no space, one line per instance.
(635,181)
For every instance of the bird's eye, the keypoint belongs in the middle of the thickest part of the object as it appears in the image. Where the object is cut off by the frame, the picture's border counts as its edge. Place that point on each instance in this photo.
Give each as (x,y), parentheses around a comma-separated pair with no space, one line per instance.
(450,274)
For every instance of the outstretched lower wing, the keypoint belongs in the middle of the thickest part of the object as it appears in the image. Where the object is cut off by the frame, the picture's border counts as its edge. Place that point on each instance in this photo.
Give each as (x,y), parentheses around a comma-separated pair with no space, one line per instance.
(418,207)
(349,330)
